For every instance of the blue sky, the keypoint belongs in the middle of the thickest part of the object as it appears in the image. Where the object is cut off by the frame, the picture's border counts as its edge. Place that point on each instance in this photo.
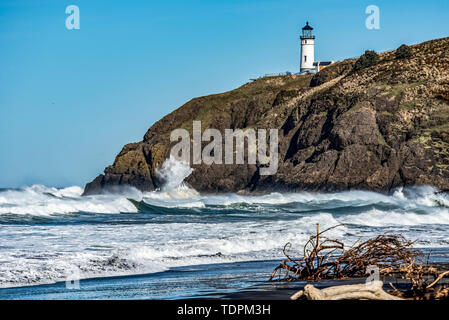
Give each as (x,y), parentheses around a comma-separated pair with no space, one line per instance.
(70,99)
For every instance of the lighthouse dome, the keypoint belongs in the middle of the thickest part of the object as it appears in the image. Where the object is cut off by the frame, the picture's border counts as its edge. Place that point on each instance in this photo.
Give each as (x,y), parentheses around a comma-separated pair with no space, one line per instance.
(307,26)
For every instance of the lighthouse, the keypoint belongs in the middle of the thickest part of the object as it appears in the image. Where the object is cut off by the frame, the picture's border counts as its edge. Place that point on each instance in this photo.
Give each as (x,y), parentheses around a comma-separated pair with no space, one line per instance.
(307,48)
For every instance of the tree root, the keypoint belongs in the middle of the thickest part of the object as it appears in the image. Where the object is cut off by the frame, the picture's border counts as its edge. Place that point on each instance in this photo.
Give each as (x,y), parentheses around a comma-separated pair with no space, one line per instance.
(387,254)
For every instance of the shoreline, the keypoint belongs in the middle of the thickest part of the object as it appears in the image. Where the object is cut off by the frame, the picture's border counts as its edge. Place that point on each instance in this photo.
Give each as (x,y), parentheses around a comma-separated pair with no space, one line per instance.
(246,280)
(439,256)
(189,282)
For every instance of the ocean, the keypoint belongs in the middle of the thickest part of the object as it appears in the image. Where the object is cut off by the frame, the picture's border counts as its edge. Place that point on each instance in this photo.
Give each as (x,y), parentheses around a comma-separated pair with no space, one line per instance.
(181,243)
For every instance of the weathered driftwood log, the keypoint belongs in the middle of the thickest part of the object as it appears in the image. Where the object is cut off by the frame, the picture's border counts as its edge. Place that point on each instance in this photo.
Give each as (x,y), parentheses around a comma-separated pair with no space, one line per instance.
(441,276)
(371,291)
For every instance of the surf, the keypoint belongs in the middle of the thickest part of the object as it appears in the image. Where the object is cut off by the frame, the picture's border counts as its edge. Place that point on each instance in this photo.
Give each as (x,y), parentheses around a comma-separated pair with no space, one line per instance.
(46,231)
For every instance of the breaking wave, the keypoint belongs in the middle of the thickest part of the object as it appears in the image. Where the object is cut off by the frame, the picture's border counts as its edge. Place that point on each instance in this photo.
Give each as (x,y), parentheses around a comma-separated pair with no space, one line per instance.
(46,233)
(44,201)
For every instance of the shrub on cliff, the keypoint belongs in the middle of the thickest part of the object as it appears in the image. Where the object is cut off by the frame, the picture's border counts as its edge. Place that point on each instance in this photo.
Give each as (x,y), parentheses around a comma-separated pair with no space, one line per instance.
(368,59)
(403,52)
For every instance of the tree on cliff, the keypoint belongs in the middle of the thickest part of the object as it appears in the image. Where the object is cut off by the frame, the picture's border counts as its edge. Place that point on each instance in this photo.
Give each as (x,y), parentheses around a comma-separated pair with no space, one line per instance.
(368,59)
(403,52)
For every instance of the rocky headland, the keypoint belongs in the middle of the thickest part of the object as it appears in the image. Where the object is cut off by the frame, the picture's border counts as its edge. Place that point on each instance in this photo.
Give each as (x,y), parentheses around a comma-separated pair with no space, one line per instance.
(375,128)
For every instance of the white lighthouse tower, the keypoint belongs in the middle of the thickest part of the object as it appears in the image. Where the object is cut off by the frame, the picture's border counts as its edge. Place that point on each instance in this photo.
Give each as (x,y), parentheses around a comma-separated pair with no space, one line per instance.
(307,48)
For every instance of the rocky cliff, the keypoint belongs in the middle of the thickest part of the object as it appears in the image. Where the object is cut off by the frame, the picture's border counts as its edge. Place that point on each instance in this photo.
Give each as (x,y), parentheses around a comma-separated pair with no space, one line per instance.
(376,128)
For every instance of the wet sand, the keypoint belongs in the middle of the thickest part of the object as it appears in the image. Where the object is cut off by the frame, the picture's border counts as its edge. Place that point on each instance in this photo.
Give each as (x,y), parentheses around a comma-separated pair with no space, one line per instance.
(240,280)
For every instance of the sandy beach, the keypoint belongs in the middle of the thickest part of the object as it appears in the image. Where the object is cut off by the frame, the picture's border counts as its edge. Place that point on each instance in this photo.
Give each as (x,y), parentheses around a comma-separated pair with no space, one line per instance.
(229,281)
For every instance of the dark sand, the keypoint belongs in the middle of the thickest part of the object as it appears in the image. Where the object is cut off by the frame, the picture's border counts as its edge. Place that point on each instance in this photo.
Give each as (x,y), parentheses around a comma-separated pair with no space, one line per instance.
(239,280)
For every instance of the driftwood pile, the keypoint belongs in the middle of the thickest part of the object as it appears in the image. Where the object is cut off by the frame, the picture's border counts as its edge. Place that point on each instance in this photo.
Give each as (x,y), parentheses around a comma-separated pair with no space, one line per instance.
(387,255)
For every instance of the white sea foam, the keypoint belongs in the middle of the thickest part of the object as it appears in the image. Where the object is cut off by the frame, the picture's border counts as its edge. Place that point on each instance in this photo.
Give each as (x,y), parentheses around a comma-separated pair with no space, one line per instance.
(173,173)
(379,218)
(175,193)
(114,250)
(205,228)
(42,201)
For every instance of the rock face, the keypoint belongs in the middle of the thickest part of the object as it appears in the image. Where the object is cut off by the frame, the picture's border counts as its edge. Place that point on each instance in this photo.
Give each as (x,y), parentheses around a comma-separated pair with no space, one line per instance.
(378,128)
